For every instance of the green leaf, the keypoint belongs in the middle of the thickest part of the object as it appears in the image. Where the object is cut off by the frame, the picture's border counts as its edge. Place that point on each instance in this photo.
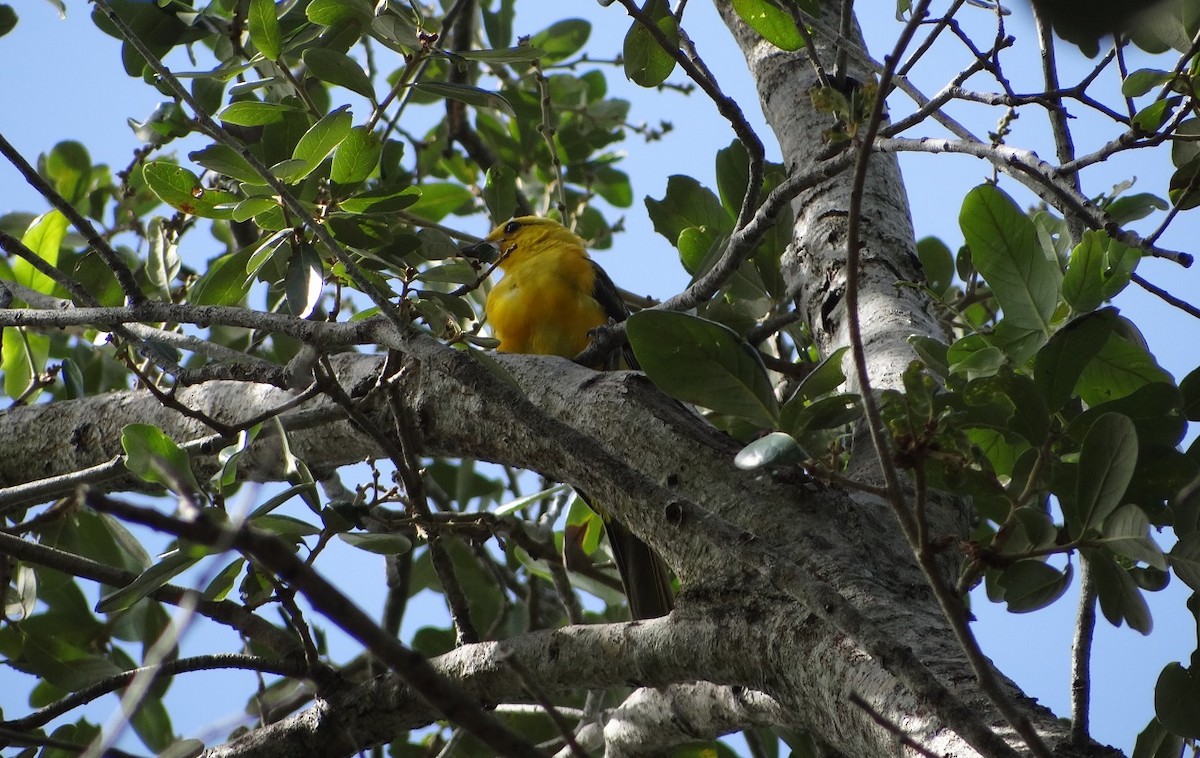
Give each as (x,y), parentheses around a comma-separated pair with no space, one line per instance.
(331,12)
(1129,208)
(1119,369)
(254,113)
(70,169)
(476,96)
(162,260)
(686,204)
(226,161)
(934,354)
(772,22)
(1061,361)
(613,186)
(562,39)
(8,19)
(1184,186)
(1186,149)
(439,199)
(338,69)
(703,362)
(168,567)
(152,723)
(288,528)
(825,378)
(396,33)
(1177,700)
(44,238)
(24,355)
(1127,532)
(356,157)
(182,190)
(500,191)
(1099,269)
(1030,585)
(1106,464)
(508,55)
(303,279)
(1120,598)
(1185,559)
(1143,80)
(831,412)
(383,200)
(974,356)
(647,63)
(937,263)
(733,166)
(383,544)
(224,281)
(317,143)
(1151,118)
(1190,387)
(1155,741)
(520,503)
(264,28)
(154,457)
(1005,251)
(773,450)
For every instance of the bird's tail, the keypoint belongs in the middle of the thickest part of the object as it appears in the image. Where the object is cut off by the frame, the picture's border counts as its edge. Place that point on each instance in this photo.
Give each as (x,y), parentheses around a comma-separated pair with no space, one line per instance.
(645,575)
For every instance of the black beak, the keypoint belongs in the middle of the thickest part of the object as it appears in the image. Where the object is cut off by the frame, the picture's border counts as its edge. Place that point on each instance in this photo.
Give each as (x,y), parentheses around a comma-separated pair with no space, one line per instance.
(485,252)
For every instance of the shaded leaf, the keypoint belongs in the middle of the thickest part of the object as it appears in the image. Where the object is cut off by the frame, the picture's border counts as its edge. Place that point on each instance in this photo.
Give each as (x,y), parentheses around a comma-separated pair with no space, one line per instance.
(1106,464)
(154,457)
(1177,700)
(465,93)
(705,363)
(647,62)
(337,68)
(1120,598)
(383,544)
(1061,361)
(1030,585)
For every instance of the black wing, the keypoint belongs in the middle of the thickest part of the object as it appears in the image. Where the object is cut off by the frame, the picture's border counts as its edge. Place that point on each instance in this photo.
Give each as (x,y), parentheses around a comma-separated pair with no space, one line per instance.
(605,293)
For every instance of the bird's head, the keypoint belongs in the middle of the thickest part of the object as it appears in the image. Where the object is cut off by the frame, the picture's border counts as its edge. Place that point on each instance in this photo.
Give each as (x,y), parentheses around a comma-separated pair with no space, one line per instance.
(520,238)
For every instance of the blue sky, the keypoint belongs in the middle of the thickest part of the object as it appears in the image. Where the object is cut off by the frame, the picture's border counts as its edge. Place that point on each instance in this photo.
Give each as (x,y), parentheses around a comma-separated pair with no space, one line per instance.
(63,81)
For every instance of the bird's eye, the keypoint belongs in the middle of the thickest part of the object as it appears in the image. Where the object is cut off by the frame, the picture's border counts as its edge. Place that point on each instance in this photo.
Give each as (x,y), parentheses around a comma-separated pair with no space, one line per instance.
(511,227)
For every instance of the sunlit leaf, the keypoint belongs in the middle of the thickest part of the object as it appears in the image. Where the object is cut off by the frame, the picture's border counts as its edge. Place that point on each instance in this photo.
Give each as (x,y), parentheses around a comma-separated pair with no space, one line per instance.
(775,24)
(182,190)
(264,28)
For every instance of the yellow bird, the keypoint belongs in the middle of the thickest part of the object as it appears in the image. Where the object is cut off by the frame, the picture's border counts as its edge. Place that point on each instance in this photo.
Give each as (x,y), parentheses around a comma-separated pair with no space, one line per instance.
(551,298)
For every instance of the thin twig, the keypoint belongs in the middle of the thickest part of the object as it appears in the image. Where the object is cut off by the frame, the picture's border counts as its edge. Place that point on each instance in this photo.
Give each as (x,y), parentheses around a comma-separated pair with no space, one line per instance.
(892,727)
(277,556)
(111,258)
(1081,655)
(909,523)
(216,662)
(1167,297)
(505,656)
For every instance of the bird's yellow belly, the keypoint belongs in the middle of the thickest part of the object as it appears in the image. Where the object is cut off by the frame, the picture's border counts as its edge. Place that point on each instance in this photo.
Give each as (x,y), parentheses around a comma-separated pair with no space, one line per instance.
(547,320)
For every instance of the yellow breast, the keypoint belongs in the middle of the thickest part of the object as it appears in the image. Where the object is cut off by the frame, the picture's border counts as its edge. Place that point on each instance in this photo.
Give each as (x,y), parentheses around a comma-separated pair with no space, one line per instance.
(544,303)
